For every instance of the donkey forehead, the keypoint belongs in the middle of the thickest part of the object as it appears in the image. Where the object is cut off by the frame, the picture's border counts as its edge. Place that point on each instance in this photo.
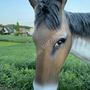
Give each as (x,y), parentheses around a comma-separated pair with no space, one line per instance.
(43,34)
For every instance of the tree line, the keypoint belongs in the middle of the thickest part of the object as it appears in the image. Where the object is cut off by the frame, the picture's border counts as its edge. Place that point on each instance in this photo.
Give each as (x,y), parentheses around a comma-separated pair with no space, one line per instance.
(14,26)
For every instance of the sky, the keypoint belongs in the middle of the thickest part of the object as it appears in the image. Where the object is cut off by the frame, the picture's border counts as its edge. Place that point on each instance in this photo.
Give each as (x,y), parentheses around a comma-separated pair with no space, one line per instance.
(13,11)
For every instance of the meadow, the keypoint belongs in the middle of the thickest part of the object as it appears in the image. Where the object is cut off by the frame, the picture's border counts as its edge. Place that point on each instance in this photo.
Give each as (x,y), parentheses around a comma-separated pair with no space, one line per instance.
(17,67)
(18,39)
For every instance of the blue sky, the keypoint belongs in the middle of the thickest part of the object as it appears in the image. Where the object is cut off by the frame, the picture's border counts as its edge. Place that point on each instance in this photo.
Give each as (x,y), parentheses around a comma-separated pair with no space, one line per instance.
(12,11)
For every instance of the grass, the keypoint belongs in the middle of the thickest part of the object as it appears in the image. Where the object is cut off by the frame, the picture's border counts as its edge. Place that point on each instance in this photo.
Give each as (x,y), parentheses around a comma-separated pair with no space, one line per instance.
(17,68)
(18,54)
(19,39)
(15,74)
(4,44)
(75,75)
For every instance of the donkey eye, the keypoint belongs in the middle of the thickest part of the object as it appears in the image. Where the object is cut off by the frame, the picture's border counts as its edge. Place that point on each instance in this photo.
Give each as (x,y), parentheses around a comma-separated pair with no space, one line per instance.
(60,42)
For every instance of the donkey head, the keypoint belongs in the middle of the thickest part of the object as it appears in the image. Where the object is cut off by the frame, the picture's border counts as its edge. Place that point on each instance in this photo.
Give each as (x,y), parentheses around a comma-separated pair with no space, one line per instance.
(52,39)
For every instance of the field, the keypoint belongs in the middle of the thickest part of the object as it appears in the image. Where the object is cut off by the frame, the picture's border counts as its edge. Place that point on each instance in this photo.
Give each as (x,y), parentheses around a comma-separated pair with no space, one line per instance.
(18,39)
(17,67)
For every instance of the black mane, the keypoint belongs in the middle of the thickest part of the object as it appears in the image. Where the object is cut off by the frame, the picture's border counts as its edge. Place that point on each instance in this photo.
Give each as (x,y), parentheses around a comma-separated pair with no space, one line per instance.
(79,23)
(48,12)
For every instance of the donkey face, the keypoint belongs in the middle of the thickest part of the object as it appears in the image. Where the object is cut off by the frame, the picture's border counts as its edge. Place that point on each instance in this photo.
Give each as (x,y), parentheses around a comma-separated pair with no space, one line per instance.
(52,39)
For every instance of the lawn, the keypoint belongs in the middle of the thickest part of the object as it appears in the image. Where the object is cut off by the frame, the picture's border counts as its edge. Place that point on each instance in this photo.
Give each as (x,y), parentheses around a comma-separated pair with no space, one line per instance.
(17,67)
(4,44)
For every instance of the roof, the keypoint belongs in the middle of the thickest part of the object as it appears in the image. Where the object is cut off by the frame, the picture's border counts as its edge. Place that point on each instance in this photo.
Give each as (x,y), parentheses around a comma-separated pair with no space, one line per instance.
(21,29)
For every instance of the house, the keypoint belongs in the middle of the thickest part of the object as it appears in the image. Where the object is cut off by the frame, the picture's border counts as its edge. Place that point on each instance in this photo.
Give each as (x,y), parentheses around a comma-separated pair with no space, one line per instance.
(8,30)
(4,30)
(11,30)
(23,31)
(31,31)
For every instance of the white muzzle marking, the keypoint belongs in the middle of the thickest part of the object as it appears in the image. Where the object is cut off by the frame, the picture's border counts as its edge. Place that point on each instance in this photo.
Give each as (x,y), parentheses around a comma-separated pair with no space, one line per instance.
(45,87)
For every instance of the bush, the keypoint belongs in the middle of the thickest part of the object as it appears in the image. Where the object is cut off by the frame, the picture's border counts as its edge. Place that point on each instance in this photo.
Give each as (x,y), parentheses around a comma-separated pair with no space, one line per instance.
(6,33)
(1,32)
(10,78)
(18,33)
(32,65)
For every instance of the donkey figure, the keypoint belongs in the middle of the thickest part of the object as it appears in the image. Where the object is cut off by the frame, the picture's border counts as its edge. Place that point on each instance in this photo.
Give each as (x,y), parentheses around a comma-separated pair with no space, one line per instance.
(57,32)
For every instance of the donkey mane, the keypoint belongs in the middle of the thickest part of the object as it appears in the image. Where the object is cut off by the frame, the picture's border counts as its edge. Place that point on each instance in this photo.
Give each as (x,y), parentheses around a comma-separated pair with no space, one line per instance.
(48,12)
(79,23)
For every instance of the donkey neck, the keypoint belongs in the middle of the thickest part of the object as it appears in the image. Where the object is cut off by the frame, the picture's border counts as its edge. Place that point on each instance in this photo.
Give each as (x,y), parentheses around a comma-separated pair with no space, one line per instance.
(79,23)
(81,48)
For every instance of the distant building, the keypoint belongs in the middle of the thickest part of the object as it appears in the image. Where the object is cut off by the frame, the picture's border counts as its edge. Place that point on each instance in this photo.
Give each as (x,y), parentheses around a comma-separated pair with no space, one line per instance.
(25,34)
(23,31)
(8,30)
(31,31)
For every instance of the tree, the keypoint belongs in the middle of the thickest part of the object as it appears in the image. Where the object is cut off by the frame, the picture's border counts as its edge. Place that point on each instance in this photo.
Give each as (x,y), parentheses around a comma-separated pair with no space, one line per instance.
(17,29)
(1,25)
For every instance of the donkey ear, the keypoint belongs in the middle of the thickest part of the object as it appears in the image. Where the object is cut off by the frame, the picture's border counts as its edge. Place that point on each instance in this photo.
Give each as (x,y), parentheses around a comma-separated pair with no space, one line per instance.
(33,3)
(63,3)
